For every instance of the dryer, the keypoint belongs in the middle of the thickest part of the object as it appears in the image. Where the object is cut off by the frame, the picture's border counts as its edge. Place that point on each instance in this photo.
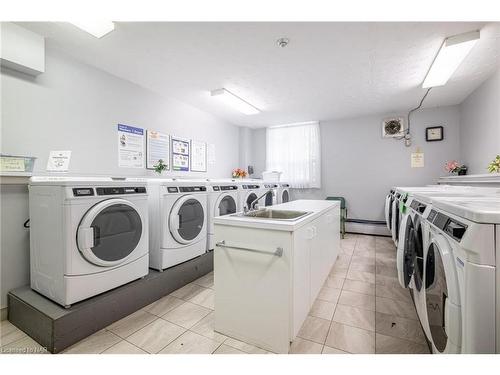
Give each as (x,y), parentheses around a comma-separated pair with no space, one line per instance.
(87,235)
(462,275)
(222,200)
(178,221)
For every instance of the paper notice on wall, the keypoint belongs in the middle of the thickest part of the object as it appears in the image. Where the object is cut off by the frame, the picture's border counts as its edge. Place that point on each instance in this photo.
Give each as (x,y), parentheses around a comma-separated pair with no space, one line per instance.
(211,154)
(198,156)
(157,148)
(417,160)
(130,147)
(58,161)
(180,154)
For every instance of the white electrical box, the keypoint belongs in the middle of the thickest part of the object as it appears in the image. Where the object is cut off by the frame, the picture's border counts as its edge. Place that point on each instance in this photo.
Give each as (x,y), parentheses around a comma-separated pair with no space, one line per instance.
(22,50)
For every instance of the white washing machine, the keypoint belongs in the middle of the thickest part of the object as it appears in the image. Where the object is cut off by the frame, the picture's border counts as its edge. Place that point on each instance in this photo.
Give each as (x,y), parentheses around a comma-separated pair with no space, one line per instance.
(178,221)
(461,275)
(87,235)
(222,200)
(272,196)
(283,192)
(248,191)
(414,236)
(401,195)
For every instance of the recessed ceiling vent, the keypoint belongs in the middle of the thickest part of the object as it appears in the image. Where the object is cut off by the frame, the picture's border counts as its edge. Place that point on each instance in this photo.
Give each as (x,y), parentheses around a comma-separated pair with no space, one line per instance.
(393,127)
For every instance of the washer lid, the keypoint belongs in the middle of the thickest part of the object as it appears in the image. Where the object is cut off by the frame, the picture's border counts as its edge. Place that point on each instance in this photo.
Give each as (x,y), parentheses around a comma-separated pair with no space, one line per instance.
(109,232)
(187,219)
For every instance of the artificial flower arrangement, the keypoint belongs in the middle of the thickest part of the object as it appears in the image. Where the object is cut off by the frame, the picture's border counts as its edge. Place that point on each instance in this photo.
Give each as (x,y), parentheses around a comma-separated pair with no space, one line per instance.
(239,173)
(454,167)
(494,166)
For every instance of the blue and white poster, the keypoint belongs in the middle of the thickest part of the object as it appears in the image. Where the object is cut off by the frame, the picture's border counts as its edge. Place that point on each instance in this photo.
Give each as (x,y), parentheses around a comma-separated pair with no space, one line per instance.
(180,154)
(130,147)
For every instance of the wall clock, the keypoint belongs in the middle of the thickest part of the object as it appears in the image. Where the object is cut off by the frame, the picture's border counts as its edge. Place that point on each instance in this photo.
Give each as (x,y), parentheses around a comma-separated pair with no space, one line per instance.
(434,133)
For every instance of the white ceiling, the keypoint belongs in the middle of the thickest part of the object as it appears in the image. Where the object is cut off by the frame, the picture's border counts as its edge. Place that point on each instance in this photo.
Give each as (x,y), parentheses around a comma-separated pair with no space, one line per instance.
(328,71)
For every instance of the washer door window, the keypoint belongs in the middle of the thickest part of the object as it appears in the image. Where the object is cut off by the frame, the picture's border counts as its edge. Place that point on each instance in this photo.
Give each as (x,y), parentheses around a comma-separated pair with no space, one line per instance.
(186,219)
(225,205)
(418,249)
(269,198)
(109,232)
(406,264)
(285,196)
(250,198)
(441,294)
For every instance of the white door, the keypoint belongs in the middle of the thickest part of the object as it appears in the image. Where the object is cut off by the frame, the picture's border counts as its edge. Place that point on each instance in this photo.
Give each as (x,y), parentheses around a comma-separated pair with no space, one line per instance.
(109,232)
(187,219)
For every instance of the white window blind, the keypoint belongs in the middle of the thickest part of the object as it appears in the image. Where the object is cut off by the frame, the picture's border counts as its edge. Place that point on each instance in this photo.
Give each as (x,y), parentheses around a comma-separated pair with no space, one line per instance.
(295,151)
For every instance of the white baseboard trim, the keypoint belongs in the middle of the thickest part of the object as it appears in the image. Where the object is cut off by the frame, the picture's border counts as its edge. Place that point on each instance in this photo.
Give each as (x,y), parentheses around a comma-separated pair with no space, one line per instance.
(373,229)
(3,314)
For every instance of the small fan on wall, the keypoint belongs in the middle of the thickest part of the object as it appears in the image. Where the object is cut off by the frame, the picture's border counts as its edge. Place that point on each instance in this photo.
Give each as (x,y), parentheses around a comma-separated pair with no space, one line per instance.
(393,127)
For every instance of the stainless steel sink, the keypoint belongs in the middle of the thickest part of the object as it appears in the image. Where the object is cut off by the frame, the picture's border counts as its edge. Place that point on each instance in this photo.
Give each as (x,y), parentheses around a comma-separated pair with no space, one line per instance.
(274,214)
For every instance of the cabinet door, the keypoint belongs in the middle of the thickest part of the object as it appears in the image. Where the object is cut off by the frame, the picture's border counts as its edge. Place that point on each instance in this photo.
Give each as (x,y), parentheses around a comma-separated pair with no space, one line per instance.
(318,261)
(301,276)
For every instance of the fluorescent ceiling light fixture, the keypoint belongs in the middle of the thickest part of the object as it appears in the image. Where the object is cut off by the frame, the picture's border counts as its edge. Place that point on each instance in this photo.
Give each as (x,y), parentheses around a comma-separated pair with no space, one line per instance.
(453,51)
(234,101)
(96,28)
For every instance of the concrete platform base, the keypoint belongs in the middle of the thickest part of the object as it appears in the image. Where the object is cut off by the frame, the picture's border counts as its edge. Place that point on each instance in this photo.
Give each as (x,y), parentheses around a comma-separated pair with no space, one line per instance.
(57,328)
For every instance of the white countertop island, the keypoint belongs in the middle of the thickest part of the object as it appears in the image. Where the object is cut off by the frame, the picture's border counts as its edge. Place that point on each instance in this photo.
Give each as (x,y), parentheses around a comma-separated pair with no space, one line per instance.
(269,272)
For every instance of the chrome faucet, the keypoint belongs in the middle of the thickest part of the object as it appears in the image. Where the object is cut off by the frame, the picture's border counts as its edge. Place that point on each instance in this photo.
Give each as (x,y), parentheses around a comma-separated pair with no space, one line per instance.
(253,203)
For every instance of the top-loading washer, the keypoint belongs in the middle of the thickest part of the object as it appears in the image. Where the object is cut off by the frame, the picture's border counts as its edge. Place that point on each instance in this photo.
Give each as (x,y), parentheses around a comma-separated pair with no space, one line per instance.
(222,200)
(87,235)
(178,218)
(283,192)
(462,279)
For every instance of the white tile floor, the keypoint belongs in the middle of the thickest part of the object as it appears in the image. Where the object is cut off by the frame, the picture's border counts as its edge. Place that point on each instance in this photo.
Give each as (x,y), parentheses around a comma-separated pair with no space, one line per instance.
(361,309)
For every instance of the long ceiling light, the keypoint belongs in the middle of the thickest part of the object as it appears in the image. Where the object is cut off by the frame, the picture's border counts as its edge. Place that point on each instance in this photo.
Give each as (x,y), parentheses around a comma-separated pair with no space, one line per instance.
(96,28)
(234,101)
(453,51)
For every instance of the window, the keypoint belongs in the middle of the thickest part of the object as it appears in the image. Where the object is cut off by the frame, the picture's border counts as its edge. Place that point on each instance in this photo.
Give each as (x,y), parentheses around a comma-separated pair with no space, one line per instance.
(295,151)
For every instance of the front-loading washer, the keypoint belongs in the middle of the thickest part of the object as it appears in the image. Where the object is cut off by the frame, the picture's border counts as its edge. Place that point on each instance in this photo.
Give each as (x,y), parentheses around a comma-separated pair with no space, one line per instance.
(272,195)
(178,221)
(461,275)
(248,192)
(222,200)
(87,235)
(283,192)
(414,236)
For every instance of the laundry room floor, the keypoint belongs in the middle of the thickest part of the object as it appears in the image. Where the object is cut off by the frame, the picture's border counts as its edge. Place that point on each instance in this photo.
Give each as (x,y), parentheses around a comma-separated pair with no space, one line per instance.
(361,309)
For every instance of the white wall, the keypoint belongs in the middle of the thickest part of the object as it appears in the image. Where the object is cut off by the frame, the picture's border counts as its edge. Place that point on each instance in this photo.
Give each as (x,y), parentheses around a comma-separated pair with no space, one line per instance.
(480,126)
(75,107)
(358,164)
